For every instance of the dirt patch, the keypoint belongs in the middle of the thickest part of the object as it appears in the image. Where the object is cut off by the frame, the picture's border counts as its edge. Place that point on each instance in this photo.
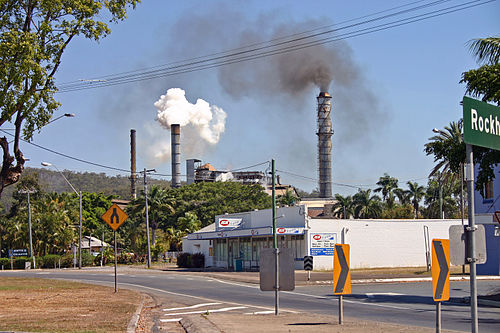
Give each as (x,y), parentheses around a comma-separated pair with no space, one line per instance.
(42,305)
(229,323)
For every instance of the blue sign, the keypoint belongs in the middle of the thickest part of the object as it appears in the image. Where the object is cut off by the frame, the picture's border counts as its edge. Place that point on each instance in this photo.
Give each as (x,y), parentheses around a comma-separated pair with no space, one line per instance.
(18,252)
(325,251)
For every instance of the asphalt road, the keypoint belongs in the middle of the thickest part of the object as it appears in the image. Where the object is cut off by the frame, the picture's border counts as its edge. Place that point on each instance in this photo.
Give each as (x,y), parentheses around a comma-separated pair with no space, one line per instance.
(402,303)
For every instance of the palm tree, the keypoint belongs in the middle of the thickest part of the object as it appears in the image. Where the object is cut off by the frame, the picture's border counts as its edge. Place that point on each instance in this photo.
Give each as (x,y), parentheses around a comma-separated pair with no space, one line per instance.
(160,204)
(343,207)
(486,50)
(448,149)
(403,196)
(386,185)
(416,193)
(366,205)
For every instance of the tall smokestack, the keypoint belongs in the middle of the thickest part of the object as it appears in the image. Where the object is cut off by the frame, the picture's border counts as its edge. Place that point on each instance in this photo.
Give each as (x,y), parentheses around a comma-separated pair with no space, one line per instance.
(325,133)
(133,193)
(175,129)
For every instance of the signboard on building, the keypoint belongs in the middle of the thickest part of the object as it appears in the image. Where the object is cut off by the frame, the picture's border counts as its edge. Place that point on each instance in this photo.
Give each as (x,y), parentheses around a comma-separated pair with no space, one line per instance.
(323,243)
(481,124)
(229,223)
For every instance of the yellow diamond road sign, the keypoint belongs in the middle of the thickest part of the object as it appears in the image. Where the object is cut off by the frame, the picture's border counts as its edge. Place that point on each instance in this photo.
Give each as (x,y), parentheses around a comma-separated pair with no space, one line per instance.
(115,217)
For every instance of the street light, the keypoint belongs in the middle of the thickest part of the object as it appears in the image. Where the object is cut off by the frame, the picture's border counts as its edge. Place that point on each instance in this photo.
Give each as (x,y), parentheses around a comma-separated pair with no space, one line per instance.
(46,164)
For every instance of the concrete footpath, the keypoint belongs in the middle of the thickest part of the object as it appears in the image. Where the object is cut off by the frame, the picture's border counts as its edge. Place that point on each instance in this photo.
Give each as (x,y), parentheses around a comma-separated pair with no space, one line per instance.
(265,321)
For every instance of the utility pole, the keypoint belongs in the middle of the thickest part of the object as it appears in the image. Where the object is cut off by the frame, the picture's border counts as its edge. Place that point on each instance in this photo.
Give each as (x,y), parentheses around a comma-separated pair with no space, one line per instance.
(28,192)
(471,257)
(275,243)
(147,214)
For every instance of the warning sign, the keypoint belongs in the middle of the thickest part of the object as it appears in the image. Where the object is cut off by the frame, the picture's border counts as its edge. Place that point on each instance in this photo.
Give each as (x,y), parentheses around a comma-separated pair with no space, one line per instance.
(115,217)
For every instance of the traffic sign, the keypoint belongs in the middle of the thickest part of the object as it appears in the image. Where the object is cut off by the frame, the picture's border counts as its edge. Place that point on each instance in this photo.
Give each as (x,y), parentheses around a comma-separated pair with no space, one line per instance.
(341,271)
(308,263)
(441,269)
(496,216)
(481,124)
(267,269)
(115,217)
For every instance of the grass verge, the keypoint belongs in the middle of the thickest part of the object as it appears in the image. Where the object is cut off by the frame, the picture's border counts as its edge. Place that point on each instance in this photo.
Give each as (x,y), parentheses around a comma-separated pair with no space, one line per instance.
(43,305)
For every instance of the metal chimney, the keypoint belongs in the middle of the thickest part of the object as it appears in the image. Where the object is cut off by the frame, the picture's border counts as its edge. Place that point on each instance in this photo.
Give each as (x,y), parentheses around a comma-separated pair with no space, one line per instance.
(190,170)
(175,129)
(133,193)
(325,133)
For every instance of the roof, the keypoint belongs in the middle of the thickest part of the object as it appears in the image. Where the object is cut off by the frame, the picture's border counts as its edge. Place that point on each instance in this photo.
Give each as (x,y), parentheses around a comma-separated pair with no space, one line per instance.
(207,166)
(94,242)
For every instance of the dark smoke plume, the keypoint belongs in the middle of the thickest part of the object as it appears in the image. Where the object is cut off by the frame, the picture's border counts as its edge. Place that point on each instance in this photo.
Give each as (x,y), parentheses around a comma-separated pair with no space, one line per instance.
(295,76)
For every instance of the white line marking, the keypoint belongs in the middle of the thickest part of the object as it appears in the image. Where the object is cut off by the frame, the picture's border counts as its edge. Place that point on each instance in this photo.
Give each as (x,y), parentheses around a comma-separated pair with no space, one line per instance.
(373,295)
(189,279)
(259,312)
(170,320)
(209,311)
(43,273)
(191,307)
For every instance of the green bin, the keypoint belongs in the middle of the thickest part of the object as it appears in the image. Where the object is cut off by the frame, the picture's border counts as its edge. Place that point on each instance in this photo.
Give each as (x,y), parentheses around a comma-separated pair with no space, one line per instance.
(238,265)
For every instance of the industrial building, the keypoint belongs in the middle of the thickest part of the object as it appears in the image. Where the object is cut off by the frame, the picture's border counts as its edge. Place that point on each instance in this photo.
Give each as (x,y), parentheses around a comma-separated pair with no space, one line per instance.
(374,243)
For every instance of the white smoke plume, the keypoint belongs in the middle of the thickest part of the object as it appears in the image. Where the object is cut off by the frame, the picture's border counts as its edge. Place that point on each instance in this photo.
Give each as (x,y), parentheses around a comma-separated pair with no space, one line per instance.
(202,124)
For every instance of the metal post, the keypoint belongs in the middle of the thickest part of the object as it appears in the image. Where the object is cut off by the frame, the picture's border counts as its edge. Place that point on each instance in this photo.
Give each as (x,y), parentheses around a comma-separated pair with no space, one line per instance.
(147,217)
(102,248)
(471,229)
(28,192)
(80,235)
(29,223)
(116,261)
(275,242)
(462,202)
(441,213)
(341,310)
(438,317)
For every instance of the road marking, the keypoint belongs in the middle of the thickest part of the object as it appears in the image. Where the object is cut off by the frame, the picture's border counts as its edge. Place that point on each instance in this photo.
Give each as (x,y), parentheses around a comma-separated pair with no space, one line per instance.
(170,320)
(43,273)
(373,295)
(259,312)
(205,311)
(191,307)
(189,279)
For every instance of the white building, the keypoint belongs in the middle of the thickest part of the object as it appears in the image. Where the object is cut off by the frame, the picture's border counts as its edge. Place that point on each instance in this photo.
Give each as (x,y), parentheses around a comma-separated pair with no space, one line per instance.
(374,243)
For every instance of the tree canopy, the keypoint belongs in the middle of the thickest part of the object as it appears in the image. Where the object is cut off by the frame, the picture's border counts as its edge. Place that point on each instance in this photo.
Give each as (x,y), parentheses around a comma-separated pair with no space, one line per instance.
(33,37)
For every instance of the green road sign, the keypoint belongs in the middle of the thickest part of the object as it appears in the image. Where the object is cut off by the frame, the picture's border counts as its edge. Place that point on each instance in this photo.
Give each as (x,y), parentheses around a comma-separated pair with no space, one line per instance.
(481,124)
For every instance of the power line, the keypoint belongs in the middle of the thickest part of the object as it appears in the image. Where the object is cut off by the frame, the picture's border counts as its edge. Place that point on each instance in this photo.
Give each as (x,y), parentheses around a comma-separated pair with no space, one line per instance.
(270,50)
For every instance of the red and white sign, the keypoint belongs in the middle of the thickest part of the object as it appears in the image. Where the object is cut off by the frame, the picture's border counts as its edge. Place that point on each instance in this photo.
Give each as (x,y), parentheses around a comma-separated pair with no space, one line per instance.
(281,230)
(496,216)
(229,223)
(317,237)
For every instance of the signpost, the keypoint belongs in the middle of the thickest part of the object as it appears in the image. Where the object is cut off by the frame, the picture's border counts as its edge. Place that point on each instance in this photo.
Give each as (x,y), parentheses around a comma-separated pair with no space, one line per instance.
(481,128)
(308,266)
(440,275)
(115,217)
(341,274)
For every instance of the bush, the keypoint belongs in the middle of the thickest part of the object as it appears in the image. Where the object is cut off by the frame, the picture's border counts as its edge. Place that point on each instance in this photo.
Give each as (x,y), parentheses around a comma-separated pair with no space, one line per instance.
(5,262)
(184,260)
(108,257)
(67,259)
(198,260)
(125,258)
(19,262)
(188,260)
(87,259)
(48,261)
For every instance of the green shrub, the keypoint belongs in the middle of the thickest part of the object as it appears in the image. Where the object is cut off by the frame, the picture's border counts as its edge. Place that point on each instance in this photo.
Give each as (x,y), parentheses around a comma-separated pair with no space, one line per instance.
(67,259)
(87,259)
(125,258)
(5,262)
(108,257)
(184,260)
(198,260)
(19,262)
(48,261)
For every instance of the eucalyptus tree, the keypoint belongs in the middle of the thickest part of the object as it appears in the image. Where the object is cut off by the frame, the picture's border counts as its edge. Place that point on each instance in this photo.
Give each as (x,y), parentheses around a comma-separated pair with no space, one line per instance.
(366,205)
(416,193)
(33,38)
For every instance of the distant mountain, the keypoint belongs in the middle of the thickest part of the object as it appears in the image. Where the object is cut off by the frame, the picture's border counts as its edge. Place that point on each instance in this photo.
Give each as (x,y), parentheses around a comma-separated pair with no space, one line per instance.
(52,181)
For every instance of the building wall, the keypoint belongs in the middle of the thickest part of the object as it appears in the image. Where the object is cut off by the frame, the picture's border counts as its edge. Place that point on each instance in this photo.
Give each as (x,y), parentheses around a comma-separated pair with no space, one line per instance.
(199,246)
(381,243)
(483,206)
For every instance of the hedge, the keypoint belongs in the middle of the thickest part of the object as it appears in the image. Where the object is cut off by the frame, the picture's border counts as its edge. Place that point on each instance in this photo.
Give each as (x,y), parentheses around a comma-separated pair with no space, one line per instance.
(188,260)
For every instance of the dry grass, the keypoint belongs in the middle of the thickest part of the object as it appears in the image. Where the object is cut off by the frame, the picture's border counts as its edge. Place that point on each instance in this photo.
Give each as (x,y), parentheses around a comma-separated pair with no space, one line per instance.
(42,305)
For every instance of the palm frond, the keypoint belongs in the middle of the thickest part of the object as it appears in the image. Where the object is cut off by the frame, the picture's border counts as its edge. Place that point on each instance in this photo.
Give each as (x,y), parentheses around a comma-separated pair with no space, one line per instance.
(486,50)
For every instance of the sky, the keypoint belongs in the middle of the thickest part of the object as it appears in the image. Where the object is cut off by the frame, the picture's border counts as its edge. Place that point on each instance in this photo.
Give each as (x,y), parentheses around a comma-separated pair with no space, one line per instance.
(389,89)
